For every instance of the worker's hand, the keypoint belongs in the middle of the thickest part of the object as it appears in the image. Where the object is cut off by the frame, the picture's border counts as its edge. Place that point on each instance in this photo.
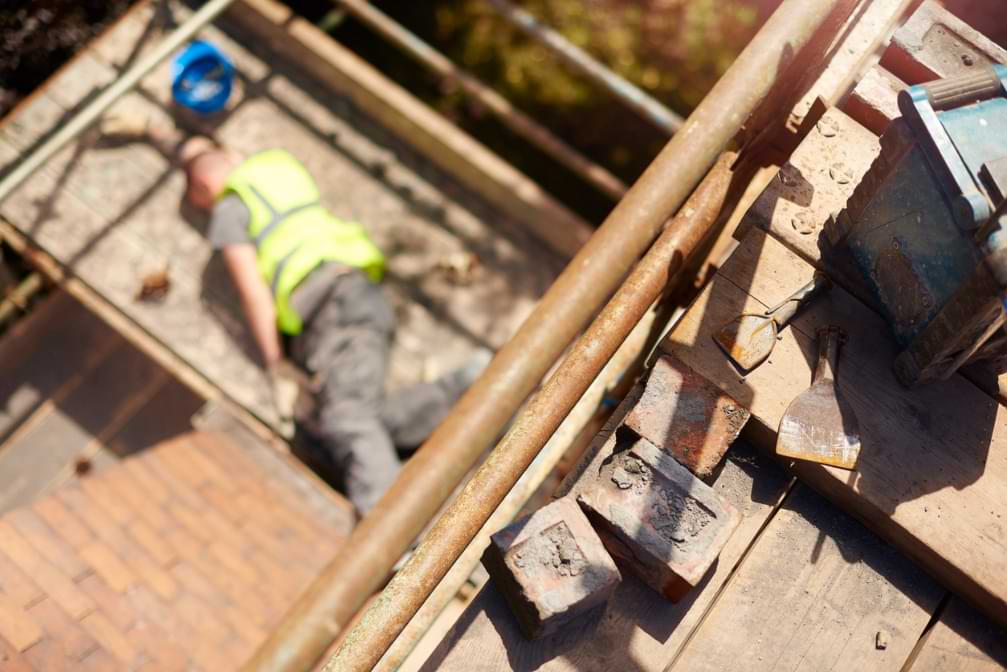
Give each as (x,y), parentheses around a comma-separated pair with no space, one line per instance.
(284,389)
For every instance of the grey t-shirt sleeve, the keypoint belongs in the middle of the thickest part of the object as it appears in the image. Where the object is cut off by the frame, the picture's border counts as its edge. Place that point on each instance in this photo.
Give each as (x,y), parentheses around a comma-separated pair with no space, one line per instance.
(229,222)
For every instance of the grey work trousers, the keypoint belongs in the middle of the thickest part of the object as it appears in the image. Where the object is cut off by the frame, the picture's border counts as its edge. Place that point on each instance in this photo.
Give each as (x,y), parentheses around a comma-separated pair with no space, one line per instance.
(345,346)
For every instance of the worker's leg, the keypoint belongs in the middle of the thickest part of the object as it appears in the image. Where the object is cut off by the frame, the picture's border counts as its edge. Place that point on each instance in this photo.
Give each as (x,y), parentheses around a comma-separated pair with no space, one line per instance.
(345,345)
(413,412)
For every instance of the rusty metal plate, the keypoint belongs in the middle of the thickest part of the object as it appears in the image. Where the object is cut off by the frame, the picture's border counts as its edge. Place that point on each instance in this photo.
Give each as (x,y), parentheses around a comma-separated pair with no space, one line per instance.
(686,416)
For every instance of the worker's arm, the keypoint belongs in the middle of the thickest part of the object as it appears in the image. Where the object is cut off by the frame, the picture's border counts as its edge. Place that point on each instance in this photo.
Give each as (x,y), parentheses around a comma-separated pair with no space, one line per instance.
(256,300)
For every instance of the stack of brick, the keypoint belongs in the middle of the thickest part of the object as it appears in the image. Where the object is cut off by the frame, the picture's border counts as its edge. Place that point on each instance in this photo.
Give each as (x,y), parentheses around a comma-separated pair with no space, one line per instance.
(181,558)
(648,507)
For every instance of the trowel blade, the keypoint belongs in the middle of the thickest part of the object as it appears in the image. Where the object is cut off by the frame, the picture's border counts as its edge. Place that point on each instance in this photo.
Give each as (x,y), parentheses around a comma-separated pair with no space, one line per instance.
(820,426)
(748,340)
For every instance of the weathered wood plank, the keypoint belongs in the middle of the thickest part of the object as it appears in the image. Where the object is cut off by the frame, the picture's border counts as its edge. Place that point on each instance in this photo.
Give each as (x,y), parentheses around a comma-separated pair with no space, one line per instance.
(932,476)
(58,432)
(962,640)
(45,355)
(816,592)
(640,630)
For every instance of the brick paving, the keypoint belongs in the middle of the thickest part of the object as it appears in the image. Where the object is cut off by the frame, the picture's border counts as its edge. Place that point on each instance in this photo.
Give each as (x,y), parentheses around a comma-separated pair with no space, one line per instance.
(180,558)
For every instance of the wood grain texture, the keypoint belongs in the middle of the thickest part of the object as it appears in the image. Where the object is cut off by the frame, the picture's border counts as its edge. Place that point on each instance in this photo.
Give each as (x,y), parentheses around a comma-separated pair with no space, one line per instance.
(962,640)
(640,630)
(813,594)
(932,476)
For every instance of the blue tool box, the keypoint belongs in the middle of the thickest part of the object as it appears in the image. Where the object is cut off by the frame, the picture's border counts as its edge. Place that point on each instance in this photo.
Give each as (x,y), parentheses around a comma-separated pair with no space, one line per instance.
(924,226)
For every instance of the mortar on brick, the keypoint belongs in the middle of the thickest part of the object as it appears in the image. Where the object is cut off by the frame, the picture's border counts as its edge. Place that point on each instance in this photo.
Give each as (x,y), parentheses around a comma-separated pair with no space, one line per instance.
(661,521)
(552,568)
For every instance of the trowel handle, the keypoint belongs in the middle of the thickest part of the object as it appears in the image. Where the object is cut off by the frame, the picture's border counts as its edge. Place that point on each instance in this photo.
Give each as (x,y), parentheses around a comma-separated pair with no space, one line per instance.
(829,340)
(952,92)
(783,313)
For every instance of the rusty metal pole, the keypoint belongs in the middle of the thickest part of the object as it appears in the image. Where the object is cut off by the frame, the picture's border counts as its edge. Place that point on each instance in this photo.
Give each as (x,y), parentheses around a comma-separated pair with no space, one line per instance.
(430,477)
(366,643)
(634,222)
(647,106)
(513,118)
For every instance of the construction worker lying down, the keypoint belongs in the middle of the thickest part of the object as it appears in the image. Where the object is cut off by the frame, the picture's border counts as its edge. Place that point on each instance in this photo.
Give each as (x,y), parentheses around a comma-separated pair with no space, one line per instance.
(303,272)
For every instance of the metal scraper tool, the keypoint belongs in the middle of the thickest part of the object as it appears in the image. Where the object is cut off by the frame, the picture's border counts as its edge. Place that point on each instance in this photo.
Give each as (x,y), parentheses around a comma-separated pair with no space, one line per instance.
(749,339)
(820,424)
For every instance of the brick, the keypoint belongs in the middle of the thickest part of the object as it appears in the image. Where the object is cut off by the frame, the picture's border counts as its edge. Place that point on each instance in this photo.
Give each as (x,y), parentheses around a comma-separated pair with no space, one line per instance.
(11,660)
(109,566)
(687,416)
(71,640)
(874,100)
(59,518)
(156,646)
(110,637)
(234,563)
(151,486)
(155,611)
(143,505)
(99,660)
(116,509)
(46,576)
(193,610)
(658,519)
(152,542)
(934,44)
(242,625)
(94,517)
(46,542)
(552,568)
(49,655)
(112,604)
(154,576)
(16,626)
(16,584)
(193,581)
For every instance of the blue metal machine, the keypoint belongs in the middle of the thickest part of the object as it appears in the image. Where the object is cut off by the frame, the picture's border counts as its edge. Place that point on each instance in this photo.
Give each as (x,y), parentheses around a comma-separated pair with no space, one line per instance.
(927,228)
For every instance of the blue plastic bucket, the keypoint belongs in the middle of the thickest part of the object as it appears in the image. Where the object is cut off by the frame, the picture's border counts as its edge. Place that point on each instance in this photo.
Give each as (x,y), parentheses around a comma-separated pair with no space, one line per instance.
(201,77)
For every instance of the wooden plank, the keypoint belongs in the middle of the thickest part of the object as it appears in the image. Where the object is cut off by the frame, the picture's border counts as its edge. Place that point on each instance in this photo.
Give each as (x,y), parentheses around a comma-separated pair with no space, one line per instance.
(962,640)
(33,457)
(62,334)
(439,140)
(932,476)
(816,592)
(166,415)
(640,630)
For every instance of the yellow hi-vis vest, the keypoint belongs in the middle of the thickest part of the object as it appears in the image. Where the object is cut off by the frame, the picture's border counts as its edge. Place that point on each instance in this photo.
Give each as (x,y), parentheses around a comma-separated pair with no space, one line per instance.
(293,233)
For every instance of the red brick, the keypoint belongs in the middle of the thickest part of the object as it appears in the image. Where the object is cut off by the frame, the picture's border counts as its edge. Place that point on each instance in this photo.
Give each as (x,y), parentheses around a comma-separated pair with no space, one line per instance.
(154,576)
(46,576)
(49,655)
(179,489)
(151,486)
(155,611)
(874,100)
(934,44)
(111,638)
(234,563)
(93,516)
(59,518)
(123,483)
(109,566)
(116,509)
(16,626)
(193,522)
(193,610)
(114,605)
(162,654)
(242,625)
(152,542)
(552,568)
(687,416)
(70,638)
(663,523)
(193,581)
(46,542)
(100,660)
(16,584)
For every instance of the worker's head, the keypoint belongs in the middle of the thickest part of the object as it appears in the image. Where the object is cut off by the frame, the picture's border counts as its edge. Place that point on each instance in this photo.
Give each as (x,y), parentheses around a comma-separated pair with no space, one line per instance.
(207,166)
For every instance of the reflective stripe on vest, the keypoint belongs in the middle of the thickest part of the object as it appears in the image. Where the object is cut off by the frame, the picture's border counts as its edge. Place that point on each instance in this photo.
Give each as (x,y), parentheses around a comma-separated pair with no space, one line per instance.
(293,233)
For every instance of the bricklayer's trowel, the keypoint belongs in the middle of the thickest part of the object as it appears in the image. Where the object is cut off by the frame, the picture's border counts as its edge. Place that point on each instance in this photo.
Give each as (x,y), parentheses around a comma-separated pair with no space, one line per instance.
(820,424)
(749,339)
